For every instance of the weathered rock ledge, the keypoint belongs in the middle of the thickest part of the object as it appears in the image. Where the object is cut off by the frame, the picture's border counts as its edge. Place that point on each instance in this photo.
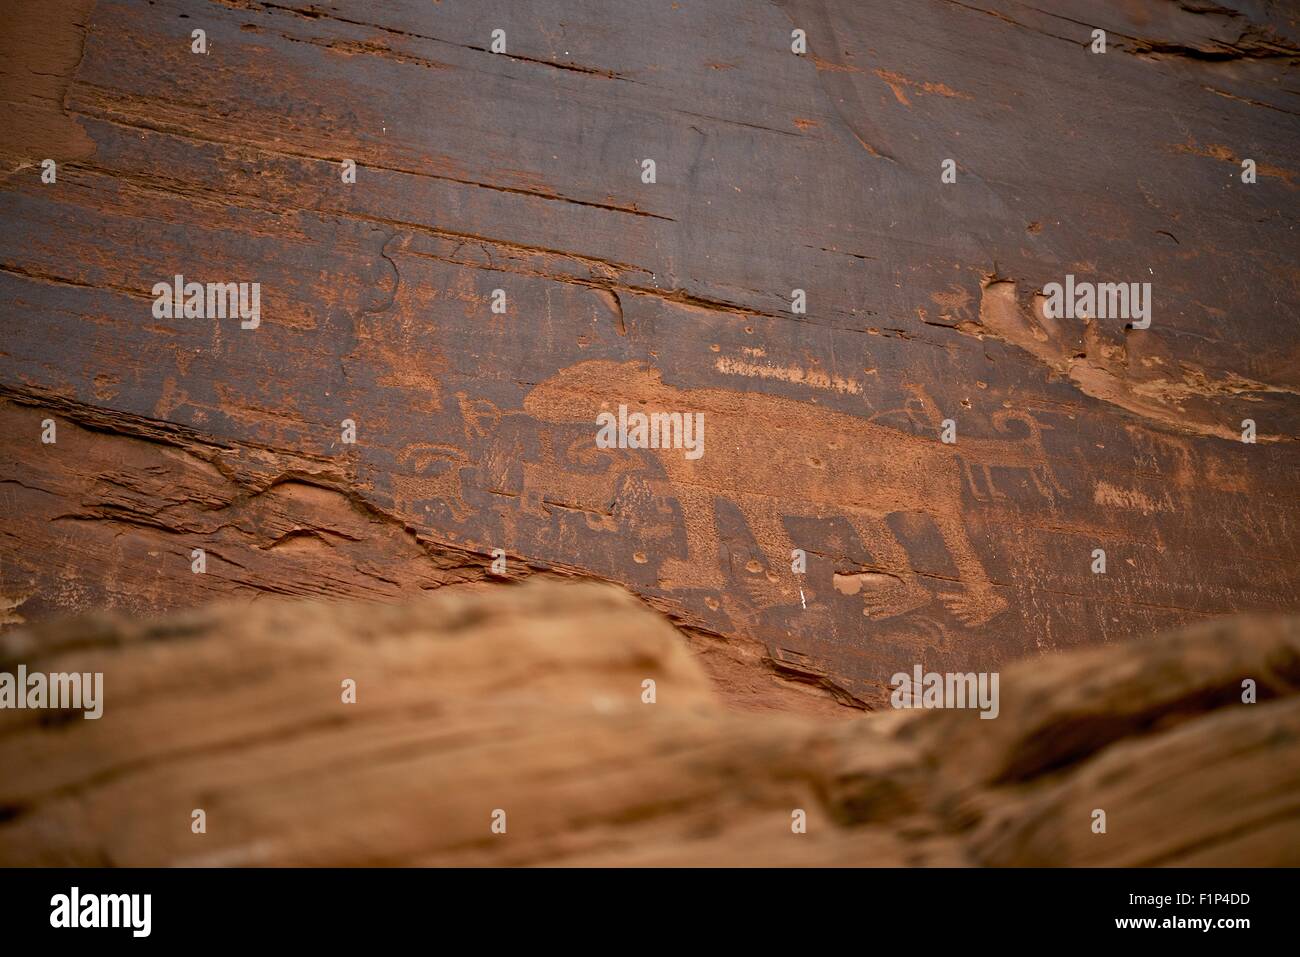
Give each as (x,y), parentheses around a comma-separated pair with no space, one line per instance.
(530,699)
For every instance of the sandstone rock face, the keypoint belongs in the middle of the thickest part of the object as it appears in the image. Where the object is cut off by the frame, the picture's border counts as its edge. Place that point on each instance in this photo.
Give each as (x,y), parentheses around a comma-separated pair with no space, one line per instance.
(799,273)
(529,705)
(829,251)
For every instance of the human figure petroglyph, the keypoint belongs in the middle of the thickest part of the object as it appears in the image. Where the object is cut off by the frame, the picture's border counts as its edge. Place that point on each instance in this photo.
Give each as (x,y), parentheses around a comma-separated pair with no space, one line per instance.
(770,453)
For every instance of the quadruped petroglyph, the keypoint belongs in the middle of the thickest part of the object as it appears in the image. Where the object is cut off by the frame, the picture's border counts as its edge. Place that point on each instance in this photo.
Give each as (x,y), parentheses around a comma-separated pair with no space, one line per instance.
(828,464)
(363,353)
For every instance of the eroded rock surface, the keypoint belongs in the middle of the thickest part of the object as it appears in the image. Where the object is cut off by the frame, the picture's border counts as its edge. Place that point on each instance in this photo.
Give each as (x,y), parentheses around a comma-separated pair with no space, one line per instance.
(532,700)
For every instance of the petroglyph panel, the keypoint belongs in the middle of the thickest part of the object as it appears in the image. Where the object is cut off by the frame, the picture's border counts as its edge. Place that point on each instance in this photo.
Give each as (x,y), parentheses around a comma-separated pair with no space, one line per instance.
(824,428)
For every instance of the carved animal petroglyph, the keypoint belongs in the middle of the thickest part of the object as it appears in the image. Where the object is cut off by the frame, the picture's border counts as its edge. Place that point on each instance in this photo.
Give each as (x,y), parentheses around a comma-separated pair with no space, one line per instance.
(769,455)
(1025,453)
(551,479)
(445,487)
(548,483)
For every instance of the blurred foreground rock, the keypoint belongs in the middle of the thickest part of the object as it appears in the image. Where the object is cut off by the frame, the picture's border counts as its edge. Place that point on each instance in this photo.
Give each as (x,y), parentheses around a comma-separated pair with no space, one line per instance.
(528,699)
